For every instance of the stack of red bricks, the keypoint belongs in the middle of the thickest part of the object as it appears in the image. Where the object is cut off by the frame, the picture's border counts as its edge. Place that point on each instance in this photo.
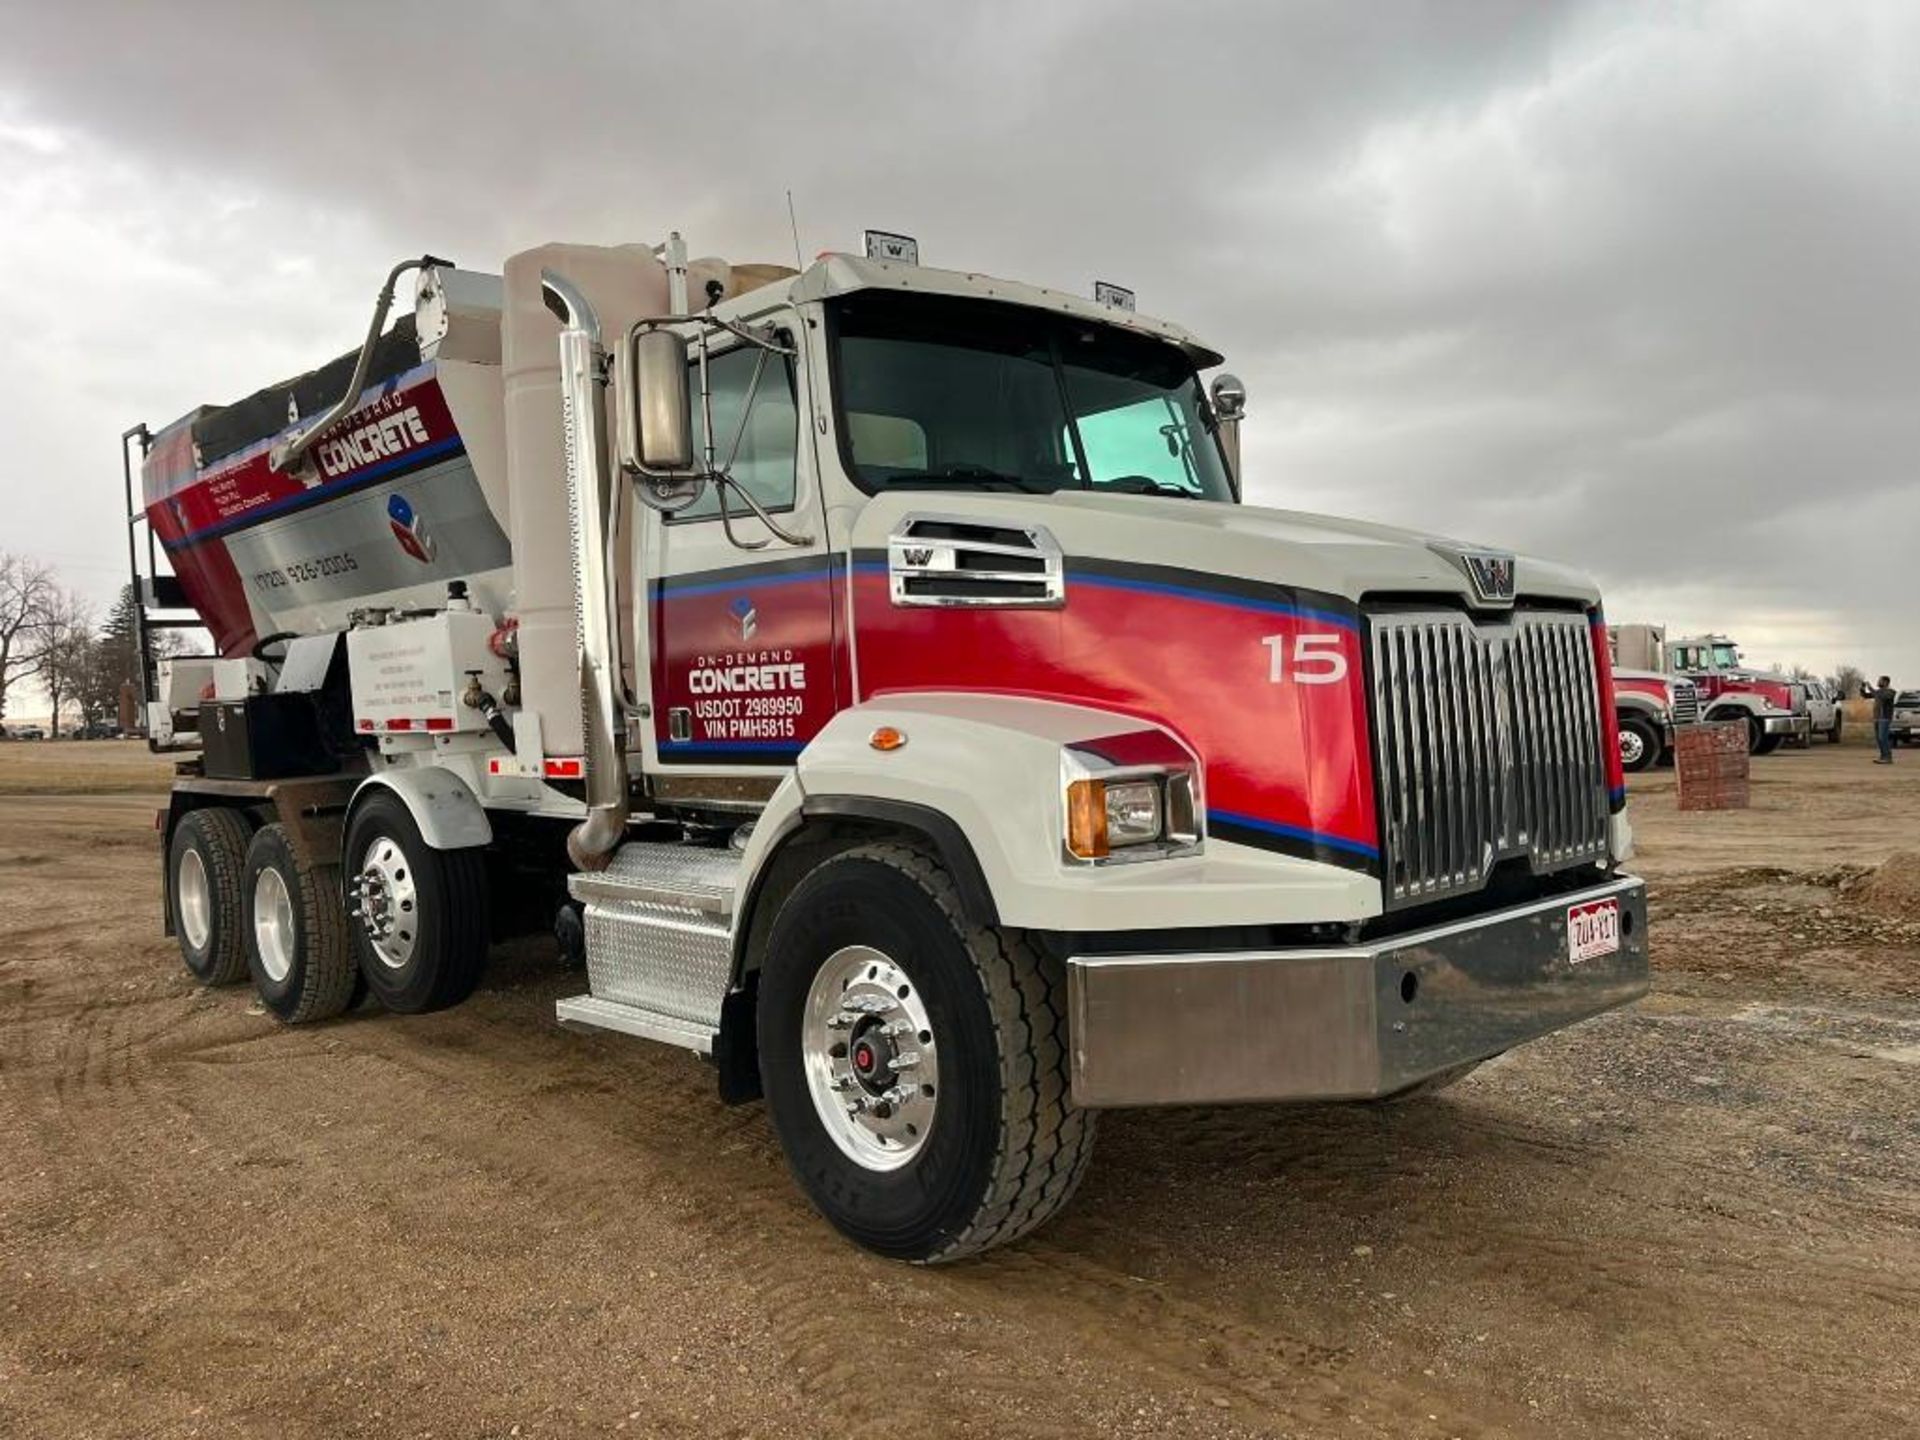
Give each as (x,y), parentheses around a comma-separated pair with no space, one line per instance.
(1710,766)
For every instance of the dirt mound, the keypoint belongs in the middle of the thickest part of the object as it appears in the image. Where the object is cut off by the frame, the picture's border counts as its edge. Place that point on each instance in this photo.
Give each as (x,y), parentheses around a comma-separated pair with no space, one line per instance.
(1891,888)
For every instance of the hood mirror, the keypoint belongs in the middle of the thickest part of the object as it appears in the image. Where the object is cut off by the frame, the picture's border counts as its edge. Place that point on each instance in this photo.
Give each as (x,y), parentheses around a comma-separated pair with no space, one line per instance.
(1229,397)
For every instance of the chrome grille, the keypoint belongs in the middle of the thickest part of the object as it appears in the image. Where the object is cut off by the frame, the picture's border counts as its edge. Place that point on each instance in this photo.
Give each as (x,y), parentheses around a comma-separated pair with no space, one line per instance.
(1487,745)
(1686,702)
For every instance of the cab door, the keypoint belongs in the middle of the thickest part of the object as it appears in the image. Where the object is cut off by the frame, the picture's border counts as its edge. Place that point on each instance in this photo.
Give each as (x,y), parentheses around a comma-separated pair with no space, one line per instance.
(743,642)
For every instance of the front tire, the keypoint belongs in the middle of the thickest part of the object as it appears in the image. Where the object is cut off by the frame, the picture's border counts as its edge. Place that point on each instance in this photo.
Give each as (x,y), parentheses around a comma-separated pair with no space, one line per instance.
(206,862)
(1639,743)
(1833,735)
(915,1065)
(419,914)
(296,931)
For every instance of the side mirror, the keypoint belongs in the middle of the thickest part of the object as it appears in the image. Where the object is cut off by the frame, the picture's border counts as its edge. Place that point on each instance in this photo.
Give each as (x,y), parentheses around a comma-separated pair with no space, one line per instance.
(1229,397)
(654,421)
(1229,405)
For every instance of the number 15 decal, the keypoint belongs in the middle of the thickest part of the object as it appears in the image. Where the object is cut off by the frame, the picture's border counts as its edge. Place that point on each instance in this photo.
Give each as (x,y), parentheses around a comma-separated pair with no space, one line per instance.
(1305,659)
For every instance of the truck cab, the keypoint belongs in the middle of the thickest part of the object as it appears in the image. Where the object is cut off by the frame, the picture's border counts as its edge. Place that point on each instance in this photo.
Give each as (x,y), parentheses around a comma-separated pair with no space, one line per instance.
(1773,707)
(882,670)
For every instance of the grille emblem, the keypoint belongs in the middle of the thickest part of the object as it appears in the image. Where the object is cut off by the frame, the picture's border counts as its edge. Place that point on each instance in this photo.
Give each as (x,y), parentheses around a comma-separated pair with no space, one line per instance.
(1492,575)
(1491,572)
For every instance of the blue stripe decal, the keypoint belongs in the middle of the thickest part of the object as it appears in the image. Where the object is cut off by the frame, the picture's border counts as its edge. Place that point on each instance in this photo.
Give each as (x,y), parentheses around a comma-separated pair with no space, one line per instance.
(1619,794)
(1178,592)
(747,581)
(1215,597)
(413,459)
(1294,832)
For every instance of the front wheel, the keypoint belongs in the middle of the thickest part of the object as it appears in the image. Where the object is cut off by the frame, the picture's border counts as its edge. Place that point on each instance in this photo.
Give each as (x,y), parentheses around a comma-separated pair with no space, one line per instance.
(916,1066)
(1833,735)
(1639,743)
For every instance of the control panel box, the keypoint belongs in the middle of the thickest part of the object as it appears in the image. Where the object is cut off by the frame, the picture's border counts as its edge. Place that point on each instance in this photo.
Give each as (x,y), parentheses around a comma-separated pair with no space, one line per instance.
(409,676)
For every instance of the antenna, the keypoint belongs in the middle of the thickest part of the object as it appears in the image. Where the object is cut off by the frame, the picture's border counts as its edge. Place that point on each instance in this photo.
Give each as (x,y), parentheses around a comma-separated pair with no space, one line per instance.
(799,262)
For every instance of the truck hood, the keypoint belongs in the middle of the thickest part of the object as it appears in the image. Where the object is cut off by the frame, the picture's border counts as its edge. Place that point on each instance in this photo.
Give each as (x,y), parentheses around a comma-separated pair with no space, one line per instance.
(1347,558)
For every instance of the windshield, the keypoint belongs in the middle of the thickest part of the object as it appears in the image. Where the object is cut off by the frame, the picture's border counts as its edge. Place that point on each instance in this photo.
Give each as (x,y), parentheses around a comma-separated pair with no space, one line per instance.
(936,392)
(1725,657)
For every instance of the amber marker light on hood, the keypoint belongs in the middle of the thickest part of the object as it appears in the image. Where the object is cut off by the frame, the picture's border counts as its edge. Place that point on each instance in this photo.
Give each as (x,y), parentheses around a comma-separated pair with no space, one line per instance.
(887,738)
(1087,819)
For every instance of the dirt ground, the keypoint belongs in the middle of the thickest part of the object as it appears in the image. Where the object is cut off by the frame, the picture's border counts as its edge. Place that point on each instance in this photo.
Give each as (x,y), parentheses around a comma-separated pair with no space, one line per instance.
(1698,1217)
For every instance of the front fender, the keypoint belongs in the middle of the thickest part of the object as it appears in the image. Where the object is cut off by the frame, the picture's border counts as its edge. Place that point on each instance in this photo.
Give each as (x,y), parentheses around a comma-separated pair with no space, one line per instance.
(449,815)
(991,764)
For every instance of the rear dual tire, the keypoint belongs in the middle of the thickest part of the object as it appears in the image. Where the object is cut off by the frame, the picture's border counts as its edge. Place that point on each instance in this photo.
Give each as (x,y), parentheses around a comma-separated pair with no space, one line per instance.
(296,931)
(206,871)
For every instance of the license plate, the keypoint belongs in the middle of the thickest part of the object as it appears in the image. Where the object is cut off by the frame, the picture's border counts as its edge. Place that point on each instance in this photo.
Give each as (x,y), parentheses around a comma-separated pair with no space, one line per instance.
(1593,930)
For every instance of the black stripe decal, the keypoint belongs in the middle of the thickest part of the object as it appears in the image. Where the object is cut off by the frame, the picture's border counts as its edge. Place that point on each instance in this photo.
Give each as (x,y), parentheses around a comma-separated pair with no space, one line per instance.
(1298,848)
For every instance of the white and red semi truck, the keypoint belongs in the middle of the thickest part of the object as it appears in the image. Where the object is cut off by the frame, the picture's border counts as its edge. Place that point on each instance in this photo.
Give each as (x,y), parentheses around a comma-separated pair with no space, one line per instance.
(1648,707)
(1773,707)
(877,671)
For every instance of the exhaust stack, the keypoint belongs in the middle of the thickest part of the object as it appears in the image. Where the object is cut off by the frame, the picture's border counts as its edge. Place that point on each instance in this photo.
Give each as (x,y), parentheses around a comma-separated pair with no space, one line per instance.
(584,402)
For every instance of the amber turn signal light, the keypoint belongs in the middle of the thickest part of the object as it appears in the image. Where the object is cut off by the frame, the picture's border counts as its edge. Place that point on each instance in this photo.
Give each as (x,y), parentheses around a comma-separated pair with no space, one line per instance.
(887,738)
(1087,819)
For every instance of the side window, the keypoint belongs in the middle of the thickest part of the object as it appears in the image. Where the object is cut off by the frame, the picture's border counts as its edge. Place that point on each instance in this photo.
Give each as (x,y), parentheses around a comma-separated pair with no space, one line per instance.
(767,463)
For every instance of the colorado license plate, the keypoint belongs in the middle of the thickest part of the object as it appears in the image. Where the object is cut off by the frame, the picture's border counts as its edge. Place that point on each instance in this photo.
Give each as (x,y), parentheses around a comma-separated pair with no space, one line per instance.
(1593,930)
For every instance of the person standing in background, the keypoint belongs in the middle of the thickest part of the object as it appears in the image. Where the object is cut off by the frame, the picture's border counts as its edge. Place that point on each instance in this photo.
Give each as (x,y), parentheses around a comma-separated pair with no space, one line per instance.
(1882,697)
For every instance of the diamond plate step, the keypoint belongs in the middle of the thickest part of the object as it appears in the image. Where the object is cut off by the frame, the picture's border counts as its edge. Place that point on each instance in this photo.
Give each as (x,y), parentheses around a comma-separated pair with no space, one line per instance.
(682,877)
(659,937)
(587,1012)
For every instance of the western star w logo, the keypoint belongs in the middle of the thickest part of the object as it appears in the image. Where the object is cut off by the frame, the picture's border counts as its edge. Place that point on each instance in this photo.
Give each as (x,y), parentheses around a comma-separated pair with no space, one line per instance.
(917,556)
(1491,573)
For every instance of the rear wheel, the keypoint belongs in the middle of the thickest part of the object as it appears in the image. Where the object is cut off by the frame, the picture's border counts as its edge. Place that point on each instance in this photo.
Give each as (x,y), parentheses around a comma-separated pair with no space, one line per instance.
(296,931)
(419,914)
(1639,743)
(205,864)
(915,1065)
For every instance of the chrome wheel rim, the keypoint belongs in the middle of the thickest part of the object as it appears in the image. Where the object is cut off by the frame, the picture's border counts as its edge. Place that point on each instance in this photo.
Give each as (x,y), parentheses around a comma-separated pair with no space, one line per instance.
(388,902)
(273,924)
(872,1060)
(193,898)
(1632,747)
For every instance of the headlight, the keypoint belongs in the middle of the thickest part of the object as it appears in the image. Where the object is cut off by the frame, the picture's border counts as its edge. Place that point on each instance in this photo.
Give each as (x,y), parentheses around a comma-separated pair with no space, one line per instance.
(1133,812)
(1108,815)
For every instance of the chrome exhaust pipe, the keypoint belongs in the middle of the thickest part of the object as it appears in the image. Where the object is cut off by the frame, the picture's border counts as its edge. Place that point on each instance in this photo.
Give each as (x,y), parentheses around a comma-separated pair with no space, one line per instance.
(589,486)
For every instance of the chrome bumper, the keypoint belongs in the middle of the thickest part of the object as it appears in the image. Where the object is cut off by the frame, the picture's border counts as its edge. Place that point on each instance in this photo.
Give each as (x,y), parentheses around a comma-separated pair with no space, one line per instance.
(1346,1022)
(1800,726)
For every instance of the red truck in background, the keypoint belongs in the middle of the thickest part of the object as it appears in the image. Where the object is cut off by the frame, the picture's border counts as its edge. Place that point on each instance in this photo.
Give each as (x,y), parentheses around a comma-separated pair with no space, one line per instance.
(1647,706)
(1774,707)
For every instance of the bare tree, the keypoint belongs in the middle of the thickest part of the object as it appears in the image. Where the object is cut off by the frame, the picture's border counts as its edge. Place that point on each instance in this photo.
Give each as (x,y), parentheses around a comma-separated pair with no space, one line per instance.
(66,649)
(26,590)
(1847,681)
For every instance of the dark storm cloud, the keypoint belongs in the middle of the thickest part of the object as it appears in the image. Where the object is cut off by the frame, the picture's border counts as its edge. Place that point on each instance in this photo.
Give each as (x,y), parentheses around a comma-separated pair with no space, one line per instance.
(1623,284)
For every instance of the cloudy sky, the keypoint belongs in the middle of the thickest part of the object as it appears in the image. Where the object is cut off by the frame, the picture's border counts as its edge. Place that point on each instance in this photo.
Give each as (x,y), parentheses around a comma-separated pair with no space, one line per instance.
(1635,286)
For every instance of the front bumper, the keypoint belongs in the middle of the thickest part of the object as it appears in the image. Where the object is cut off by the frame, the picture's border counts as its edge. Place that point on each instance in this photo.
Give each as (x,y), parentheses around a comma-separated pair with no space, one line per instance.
(1343,1022)
(1793,726)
